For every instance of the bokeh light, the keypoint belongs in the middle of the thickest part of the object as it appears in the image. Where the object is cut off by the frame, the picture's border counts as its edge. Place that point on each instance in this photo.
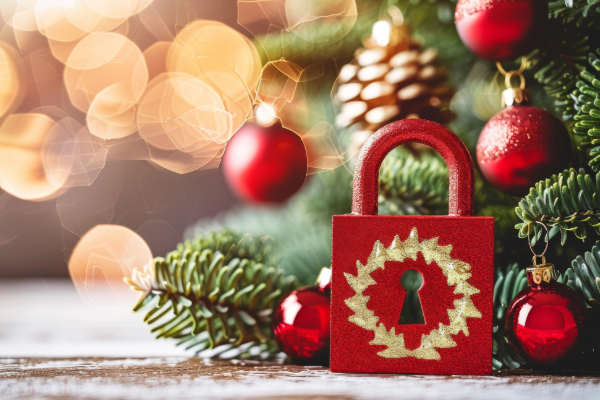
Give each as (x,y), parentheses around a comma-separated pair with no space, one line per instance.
(92,83)
(223,59)
(10,89)
(283,91)
(321,21)
(315,21)
(102,60)
(21,168)
(184,122)
(102,258)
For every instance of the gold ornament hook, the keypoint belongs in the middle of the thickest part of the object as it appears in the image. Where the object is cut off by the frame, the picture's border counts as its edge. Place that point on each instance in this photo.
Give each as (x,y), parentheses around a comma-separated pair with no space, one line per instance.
(519,71)
(531,247)
(514,95)
(509,76)
(544,272)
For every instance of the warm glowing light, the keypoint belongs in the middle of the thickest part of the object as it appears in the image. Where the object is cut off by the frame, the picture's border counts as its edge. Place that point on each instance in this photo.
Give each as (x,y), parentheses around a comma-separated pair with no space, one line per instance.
(315,21)
(222,58)
(381,33)
(102,258)
(21,168)
(265,115)
(46,4)
(10,88)
(111,115)
(184,122)
(101,60)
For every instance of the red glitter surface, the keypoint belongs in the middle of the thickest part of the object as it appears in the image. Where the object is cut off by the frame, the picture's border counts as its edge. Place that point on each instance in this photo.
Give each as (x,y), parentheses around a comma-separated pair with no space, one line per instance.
(354,236)
(386,298)
(544,322)
(437,136)
(520,146)
(465,8)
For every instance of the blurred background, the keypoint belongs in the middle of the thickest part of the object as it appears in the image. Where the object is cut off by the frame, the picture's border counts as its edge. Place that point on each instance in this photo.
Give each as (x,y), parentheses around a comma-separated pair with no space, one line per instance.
(159,204)
(119,113)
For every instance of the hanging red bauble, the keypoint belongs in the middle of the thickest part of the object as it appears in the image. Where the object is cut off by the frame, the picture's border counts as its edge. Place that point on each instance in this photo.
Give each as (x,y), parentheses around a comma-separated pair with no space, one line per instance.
(265,164)
(522,145)
(500,30)
(546,321)
(301,323)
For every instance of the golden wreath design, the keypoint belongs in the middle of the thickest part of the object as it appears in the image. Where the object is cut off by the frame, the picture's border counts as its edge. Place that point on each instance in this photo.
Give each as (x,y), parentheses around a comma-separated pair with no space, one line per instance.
(457,274)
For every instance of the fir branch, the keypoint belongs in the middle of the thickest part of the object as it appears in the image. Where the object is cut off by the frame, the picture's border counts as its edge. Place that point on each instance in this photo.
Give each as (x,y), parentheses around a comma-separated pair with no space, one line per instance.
(219,289)
(581,12)
(565,202)
(412,184)
(588,116)
(584,276)
(302,229)
(569,68)
(509,282)
(558,65)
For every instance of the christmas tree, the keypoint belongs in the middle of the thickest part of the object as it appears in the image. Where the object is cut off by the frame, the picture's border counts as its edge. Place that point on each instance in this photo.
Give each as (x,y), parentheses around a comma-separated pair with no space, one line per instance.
(442,81)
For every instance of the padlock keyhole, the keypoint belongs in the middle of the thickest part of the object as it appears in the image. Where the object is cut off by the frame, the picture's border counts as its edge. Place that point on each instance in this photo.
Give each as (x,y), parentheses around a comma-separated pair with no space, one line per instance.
(412,311)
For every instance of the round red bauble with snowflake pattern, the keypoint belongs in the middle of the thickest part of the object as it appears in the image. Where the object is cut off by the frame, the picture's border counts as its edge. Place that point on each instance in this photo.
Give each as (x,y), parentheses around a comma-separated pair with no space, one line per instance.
(500,30)
(301,323)
(265,164)
(545,322)
(520,146)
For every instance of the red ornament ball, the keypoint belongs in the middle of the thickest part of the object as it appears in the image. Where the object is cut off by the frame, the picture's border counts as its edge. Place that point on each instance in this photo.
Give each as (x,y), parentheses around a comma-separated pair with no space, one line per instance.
(500,30)
(301,325)
(520,146)
(265,164)
(545,322)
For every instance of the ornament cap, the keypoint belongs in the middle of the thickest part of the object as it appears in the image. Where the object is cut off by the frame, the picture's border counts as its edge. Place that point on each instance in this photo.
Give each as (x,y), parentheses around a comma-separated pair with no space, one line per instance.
(536,274)
(516,96)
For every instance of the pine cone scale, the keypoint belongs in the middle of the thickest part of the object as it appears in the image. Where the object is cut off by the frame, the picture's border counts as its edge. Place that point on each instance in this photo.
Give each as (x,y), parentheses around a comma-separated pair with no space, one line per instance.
(389,83)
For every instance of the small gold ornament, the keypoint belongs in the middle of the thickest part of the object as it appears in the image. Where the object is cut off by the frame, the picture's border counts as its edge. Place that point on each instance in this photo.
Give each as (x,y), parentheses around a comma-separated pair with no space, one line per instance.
(457,274)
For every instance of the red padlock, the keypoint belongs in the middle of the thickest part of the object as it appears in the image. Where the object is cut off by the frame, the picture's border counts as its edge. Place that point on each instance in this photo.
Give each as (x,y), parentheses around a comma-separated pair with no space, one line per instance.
(454,254)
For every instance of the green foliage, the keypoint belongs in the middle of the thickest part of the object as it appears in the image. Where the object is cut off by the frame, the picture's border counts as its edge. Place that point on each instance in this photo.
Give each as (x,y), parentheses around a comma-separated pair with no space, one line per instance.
(509,282)
(581,12)
(588,116)
(432,22)
(569,201)
(301,229)
(584,276)
(417,184)
(413,184)
(290,45)
(568,65)
(559,70)
(220,288)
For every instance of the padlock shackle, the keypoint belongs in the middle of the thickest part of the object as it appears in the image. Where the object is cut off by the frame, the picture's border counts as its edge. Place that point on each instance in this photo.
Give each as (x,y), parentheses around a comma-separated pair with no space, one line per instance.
(443,140)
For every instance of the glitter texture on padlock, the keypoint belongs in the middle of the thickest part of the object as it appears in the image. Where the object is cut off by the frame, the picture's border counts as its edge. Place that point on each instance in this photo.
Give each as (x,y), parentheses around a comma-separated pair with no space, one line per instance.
(453,254)
(545,321)
(365,190)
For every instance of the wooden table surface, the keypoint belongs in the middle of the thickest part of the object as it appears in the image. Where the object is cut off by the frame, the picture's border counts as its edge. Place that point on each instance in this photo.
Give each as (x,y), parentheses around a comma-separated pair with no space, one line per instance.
(54,346)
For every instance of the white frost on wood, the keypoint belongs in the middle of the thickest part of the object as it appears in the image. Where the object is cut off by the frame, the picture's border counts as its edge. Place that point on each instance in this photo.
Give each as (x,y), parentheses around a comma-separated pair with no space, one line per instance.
(47,318)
